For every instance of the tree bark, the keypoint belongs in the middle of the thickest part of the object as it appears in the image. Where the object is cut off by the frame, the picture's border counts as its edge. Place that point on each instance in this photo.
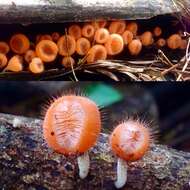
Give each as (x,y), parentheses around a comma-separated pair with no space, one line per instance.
(39,11)
(27,163)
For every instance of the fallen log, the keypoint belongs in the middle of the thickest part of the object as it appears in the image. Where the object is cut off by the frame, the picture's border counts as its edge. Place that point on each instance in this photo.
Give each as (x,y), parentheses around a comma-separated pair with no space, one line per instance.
(51,11)
(27,163)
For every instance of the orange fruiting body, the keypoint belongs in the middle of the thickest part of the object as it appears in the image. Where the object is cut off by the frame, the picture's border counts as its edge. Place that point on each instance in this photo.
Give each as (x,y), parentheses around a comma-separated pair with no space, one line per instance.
(36,65)
(132,27)
(174,41)
(72,125)
(161,42)
(15,64)
(130,140)
(115,44)
(147,38)
(82,46)
(127,37)
(157,31)
(46,50)
(88,30)
(66,45)
(101,36)
(3,60)
(55,36)
(29,55)
(67,62)
(4,47)
(75,31)
(19,43)
(135,47)
(117,27)
(97,52)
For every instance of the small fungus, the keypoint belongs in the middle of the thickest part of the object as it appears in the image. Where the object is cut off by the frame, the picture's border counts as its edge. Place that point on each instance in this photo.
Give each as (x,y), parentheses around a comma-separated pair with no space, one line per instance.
(97,52)
(3,60)
(129,141)
(19,43)
(82,46)
(67,62)
(47,50)
(15,64)
(75,31)
(135,47)
(174,41)
(66,45)
(115,44)
(101,36)
(36,65)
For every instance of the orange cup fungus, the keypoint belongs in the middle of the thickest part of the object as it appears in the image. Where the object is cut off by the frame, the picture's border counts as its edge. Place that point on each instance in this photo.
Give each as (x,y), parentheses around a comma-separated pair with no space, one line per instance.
(82,46)
(157,31)
(29,55)
(36,65)
(88,31)
(97,52)
(55,36)
(67,62)
(130,141)
(75,31)
(4,48)
(3,60)
(115,44)
(174,41)
(101,36)
(15,64)
(147,38)
(161,42)
(127,37)
(46,50)
(19,43)
(132,27)
(135,47)
(71,126)
(66,45)
(117,27)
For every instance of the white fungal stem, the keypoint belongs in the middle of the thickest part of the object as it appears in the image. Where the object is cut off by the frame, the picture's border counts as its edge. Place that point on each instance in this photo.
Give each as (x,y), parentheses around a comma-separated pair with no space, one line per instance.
(121,173)
(84,165)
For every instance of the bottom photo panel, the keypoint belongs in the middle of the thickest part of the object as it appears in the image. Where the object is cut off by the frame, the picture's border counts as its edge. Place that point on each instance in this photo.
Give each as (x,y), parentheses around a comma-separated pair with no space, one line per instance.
(94,135)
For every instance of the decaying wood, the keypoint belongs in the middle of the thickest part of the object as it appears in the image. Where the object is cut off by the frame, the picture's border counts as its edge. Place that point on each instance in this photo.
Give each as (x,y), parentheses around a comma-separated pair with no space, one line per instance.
(27,163)
(39,11)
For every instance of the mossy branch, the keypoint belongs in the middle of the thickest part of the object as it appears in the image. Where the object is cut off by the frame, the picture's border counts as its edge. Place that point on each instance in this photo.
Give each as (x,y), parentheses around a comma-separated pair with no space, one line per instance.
(27,163)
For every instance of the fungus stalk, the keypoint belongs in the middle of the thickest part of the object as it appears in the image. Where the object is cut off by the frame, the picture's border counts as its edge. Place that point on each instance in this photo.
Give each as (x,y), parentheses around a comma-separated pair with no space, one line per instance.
(121,173)
(83,164)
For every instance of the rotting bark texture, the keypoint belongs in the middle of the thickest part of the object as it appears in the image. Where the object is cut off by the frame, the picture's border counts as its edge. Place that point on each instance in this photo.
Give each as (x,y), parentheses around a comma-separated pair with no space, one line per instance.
(39,11)
(27,163)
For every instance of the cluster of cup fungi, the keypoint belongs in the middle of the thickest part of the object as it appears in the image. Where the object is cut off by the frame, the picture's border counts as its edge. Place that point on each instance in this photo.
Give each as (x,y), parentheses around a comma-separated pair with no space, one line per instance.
(98,40)
(72,125)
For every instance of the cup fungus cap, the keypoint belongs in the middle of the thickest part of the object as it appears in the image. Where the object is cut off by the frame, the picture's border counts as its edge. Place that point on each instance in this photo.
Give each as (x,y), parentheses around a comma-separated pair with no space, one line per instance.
(19,43)
(47,50)
(72,125)
(130,140)
(114,45)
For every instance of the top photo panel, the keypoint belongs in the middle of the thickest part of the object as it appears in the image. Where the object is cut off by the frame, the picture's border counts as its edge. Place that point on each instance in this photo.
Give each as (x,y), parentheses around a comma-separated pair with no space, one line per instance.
(109,40)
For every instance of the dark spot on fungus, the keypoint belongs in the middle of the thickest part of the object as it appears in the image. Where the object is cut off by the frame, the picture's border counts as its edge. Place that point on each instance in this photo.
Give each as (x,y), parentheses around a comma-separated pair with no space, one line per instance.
(52,133)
